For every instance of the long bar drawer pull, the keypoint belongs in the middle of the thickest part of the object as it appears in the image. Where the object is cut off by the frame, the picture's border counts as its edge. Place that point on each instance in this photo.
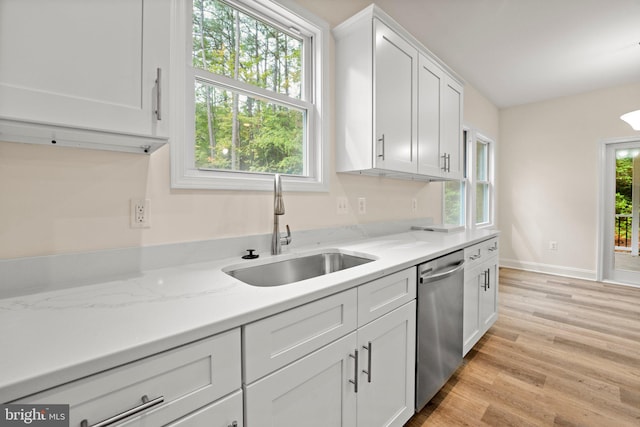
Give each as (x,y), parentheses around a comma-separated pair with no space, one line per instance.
(146,404)
(368,370)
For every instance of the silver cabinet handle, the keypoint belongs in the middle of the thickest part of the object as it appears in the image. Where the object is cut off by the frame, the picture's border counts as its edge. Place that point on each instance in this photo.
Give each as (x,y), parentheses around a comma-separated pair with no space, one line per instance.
(448,162)
(158,93)
(381,140)
(486,279)
(354,381)
(474,257)
(146,404)
(444,162)
(369,351)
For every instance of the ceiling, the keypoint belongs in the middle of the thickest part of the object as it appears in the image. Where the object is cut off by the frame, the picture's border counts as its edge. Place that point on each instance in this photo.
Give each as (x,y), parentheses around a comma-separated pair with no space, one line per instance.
(521,51)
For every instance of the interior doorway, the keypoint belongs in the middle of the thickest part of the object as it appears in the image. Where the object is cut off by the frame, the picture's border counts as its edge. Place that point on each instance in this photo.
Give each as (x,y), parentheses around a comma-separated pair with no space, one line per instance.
(619,237)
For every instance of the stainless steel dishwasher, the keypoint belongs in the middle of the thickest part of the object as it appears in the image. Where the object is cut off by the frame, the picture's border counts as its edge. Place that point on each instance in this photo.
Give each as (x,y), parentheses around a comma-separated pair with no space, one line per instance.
(439,324)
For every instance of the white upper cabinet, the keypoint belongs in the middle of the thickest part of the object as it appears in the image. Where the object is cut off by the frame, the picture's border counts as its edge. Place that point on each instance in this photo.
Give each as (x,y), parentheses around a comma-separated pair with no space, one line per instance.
(430,82)
(395,104)
(398,108)
(451,139)
(85,73)
(439,122)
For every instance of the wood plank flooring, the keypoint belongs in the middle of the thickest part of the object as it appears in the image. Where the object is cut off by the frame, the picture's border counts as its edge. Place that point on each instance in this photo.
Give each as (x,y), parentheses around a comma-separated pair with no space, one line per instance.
(564,352)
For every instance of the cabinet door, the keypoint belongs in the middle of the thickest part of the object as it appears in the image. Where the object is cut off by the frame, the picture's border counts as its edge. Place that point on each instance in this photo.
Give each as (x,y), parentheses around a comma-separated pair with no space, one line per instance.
(87,64)
(473,280)
(386,395)
(395,101)
(451,139)
(430,83)
(489,296)
(314,391)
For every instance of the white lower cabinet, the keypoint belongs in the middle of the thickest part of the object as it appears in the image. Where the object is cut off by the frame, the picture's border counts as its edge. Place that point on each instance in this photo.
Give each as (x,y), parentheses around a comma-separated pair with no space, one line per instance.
(200,382)
(471,316)
(366,378)
(386,374)
(314,391)
(489,296)
(480,291)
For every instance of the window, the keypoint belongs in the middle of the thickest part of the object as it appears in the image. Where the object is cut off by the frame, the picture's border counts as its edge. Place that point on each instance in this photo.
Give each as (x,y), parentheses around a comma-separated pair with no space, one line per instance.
(482,183)
(475,191)
(454,202)
(253,96)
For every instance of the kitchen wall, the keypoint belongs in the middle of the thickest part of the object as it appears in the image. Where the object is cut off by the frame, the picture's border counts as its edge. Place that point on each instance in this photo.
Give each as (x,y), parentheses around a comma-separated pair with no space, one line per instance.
(57,200)
(548,186)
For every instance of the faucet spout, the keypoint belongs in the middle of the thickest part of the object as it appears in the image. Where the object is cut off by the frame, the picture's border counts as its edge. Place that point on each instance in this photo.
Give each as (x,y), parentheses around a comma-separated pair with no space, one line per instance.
(278,202)
(278,209)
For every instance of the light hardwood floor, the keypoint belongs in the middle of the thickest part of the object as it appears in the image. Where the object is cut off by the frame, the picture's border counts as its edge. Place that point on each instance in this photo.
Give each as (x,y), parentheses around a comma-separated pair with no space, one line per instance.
(564,352)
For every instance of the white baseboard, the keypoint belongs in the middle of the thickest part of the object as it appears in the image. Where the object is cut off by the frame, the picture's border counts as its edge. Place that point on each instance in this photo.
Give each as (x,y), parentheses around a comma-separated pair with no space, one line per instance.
(557,270)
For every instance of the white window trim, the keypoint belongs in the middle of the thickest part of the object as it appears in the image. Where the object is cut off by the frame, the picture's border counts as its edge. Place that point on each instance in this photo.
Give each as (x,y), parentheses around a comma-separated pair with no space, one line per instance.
(472,137)
(183,173)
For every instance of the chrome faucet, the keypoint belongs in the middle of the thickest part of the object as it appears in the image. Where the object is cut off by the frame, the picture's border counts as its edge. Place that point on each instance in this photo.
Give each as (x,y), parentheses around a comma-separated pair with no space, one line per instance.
(278,240)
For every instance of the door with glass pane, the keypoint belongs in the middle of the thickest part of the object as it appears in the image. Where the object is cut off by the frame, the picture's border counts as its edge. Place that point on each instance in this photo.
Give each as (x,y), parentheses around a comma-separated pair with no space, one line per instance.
(620,239)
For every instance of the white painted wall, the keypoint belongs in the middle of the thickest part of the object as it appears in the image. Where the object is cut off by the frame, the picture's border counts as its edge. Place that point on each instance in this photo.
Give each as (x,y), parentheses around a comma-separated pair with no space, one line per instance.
(61,200)
(548,181)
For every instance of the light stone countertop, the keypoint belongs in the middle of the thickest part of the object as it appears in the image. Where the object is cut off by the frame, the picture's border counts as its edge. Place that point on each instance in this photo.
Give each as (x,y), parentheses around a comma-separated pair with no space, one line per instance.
(55,337)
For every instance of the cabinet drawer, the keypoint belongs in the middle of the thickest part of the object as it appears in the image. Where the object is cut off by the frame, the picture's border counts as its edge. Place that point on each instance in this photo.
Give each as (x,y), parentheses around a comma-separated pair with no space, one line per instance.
(280,339)
(187,378)
(386,294)
(480,252)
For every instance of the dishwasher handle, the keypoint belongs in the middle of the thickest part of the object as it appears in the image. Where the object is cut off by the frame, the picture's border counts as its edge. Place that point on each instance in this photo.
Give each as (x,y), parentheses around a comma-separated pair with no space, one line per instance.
(426,276)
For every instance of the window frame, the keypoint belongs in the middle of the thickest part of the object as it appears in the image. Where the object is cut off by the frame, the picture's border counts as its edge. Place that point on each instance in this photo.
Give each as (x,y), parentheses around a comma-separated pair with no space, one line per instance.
(473,138)
(291,18)
(469,182)
(483,182)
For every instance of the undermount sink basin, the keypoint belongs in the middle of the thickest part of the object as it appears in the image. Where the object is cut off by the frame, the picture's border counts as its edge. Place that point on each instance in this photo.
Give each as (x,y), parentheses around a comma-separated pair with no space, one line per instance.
(296,269)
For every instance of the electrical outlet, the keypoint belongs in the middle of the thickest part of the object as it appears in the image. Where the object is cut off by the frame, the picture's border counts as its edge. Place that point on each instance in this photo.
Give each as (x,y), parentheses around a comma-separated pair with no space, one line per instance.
(553,245)
(342,206)
(414,205)
(362,205)
(140,213)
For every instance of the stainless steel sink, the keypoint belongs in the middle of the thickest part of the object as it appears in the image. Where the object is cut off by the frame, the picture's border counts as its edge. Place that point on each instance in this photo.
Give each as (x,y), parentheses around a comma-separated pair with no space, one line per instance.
(296,269)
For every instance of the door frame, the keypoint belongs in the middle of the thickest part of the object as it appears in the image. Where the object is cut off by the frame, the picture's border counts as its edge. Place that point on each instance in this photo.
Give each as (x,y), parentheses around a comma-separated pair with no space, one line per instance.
(606,271)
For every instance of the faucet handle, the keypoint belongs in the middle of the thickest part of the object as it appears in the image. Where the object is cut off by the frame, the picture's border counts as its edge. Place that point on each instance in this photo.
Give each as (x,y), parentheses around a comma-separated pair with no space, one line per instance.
(285,239)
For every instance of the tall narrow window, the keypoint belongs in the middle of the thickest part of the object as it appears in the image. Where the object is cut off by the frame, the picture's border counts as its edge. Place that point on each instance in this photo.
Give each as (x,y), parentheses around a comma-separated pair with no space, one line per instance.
(483,184)
(470,200)
(254,95)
